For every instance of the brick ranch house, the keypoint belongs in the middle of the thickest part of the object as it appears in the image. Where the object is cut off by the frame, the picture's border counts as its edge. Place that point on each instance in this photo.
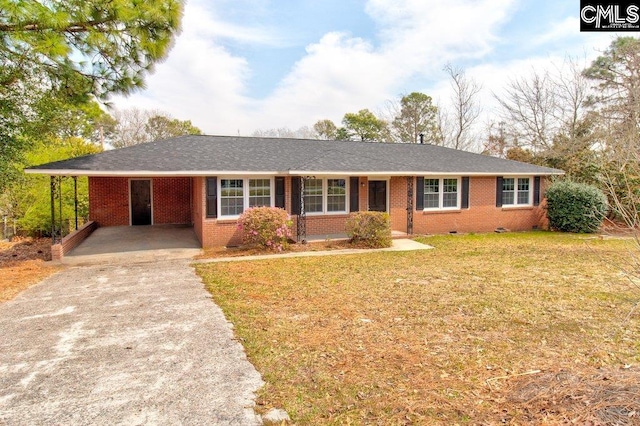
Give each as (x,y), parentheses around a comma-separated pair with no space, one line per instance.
(207,182)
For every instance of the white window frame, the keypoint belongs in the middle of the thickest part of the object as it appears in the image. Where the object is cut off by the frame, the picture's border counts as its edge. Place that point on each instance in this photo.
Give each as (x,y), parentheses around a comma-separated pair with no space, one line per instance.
(441,180)
(245,193)
(515,192)
(325,195)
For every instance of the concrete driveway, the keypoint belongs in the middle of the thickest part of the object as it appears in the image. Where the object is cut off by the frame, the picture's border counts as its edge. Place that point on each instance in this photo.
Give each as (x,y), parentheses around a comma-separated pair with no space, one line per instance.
(122,344)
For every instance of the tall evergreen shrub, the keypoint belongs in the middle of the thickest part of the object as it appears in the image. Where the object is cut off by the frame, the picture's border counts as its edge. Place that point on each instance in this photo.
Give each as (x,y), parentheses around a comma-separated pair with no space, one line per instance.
(575,207)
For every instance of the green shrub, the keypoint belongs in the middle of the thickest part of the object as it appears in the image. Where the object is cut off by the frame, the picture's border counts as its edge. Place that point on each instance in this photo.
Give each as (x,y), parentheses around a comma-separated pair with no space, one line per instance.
(370,229)
(267,227)
(575,207)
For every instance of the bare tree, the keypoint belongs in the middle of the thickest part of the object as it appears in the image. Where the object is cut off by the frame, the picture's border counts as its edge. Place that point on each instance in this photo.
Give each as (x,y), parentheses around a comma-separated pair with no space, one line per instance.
(130,128)
(496,143)
(572,92)
(529,109)
(134,126)
(303,132)
(465,109)
(326,129)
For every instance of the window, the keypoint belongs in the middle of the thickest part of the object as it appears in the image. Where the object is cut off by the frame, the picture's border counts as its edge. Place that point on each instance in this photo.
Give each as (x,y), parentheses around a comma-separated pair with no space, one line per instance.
(523,191)
(441,193)
(237,195)
(432,193)
(336,195)
(313,196)
(325,196)
(259,192)
(450,193)
(516,191)
(231,197)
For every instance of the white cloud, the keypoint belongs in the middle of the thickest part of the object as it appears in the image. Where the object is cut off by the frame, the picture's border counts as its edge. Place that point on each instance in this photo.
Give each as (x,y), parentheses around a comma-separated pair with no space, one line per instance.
(341,74)
(204,81)
(200,80)
(426,34)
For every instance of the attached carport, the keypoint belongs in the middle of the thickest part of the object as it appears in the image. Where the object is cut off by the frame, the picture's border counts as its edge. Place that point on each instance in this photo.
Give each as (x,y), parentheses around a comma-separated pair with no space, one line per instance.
(135,244)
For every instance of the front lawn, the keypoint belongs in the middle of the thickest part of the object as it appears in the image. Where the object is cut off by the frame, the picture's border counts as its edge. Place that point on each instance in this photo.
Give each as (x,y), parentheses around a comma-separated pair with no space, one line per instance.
(485,329)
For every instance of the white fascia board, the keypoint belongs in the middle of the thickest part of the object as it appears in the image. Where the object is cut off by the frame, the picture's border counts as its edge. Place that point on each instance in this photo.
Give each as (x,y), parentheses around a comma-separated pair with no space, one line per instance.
(414,173)
(146,173)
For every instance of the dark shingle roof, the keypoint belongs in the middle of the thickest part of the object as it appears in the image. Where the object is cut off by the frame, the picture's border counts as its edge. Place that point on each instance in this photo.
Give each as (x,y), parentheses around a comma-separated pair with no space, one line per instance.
(211,155)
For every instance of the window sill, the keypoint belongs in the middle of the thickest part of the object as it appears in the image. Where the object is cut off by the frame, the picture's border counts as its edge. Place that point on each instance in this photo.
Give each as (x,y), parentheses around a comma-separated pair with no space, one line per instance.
(230,219)
(330,214)
(518,207)
(441,211)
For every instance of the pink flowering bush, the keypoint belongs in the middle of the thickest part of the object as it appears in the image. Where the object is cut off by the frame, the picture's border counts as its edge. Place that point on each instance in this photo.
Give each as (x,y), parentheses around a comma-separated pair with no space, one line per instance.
(267,227)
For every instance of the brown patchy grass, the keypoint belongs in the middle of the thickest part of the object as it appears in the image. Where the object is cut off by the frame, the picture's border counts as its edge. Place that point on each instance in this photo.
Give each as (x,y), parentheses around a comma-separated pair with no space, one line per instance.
(455,335)
(328,245)
(22,264)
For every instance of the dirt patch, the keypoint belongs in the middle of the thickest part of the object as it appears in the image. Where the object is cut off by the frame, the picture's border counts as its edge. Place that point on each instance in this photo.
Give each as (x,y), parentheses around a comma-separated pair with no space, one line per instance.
(25,249)
(23,262)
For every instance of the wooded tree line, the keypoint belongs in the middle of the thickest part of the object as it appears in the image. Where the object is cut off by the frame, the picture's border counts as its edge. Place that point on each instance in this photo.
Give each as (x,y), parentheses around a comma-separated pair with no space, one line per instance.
(58,60)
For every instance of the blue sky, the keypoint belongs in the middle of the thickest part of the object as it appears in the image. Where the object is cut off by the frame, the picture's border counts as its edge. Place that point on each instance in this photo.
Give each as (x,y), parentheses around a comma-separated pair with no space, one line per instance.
(242,65)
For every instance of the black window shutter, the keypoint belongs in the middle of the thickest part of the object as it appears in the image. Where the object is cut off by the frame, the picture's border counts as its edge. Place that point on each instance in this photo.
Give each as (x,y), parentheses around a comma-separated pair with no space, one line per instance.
(212,202)
(465,192)
(536,191)
(499,191)
(295,195)
(354,192)
(280,192)
(419,193)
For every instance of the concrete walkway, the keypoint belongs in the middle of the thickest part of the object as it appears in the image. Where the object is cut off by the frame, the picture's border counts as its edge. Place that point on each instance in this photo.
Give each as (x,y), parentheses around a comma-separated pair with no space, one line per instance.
(402,244)
(138,344)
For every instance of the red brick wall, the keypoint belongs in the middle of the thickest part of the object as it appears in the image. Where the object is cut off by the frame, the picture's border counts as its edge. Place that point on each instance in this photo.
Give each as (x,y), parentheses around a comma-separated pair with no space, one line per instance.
(482,215)
(398,203)
(171,200)
(197,206)
(72,240)
(109,200)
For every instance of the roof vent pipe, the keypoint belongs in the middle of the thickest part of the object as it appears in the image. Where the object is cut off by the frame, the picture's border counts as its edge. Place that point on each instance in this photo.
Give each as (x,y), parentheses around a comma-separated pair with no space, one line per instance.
(421,138)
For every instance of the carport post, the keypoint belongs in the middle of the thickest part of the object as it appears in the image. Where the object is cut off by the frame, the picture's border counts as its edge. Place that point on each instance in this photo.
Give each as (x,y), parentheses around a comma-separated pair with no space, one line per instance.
(60,204)
(53,211)
(75,198)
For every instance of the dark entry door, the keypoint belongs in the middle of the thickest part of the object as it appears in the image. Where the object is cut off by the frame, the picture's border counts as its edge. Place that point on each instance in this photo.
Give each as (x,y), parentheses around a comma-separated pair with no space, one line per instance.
(141,202)
(378,195)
